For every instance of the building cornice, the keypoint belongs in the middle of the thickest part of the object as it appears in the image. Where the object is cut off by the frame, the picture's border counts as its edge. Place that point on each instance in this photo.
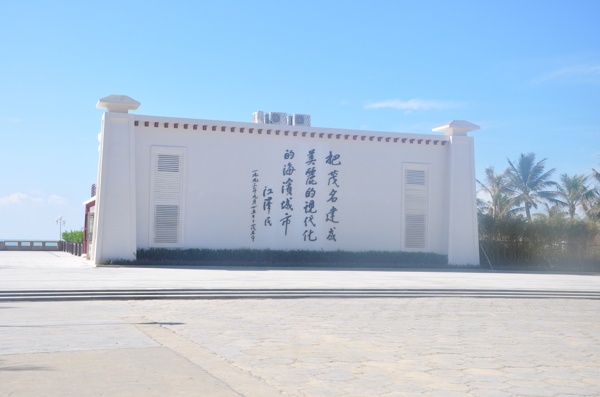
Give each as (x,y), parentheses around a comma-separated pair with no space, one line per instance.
(191,125)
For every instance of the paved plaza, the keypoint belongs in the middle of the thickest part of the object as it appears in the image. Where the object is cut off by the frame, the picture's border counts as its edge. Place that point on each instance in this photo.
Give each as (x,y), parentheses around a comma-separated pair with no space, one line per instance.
(62,271)
(409,346)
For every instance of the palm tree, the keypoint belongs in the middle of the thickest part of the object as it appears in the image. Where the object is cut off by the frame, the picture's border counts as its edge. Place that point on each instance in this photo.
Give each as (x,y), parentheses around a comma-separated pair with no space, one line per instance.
(596,175)
(531,182)
(594,209)
(498,187)
(573,192)
(554,211)
(508,207)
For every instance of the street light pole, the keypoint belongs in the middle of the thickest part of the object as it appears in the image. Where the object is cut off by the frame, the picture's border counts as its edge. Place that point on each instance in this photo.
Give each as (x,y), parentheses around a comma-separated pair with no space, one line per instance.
(61,222)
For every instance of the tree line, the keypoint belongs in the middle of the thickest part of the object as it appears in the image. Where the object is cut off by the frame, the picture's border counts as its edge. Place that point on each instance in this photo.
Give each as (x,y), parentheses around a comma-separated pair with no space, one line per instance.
(525,185)
(529,218)
(73,236)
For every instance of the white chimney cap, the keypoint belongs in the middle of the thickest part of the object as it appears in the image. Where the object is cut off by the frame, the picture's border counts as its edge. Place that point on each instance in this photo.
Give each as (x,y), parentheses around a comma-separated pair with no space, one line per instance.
(118,103)
(456,127)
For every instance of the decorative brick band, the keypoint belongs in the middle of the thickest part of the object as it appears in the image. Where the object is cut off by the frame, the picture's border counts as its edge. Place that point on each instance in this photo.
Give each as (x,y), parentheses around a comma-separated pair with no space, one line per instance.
(321,135)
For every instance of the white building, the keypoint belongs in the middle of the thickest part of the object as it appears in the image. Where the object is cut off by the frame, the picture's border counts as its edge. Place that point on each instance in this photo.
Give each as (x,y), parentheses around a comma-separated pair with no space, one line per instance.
(188,183)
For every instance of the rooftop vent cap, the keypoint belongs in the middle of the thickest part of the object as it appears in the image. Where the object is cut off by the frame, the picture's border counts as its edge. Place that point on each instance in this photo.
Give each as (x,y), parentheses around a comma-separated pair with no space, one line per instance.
(281,118)
(118,103)
(456,127)
(301,119)
(278,118)
(258,117)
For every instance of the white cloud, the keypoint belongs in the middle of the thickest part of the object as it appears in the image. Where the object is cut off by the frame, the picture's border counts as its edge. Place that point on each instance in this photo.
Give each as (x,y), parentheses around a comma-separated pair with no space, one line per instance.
(22,198)
(19,198)
(35,192)
(589,73)
(54,199)
(414,104)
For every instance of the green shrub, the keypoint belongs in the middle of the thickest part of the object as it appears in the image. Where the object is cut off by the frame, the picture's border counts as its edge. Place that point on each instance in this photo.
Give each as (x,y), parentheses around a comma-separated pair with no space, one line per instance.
(282,258)
(543,243)
(292,256)
(73,236)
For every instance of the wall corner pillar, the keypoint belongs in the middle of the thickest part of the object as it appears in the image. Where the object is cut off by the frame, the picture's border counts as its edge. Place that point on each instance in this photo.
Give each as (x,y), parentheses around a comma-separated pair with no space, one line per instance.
(114,234)
(461,200)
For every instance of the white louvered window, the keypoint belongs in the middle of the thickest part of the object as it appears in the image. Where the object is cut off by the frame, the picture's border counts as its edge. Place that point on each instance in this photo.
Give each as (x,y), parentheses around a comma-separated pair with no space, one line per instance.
(415,207)
(167,197)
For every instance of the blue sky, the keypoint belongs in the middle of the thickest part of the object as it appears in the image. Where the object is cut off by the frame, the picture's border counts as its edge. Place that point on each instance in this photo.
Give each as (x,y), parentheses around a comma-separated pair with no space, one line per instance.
(527,72)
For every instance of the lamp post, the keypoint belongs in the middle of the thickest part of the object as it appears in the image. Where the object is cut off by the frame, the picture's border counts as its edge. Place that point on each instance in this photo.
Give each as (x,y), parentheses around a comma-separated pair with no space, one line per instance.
(61,222)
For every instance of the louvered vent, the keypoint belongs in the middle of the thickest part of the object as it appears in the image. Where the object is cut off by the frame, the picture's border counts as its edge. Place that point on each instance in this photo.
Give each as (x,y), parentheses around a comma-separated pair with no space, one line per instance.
(415,231)
(415,209)
(167,193)
(168,163)
(166,224)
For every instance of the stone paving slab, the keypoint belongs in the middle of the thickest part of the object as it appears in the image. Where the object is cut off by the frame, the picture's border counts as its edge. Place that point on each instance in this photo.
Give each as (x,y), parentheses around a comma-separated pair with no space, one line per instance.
(240,381)
(386,347)
(44,328)
(314,347)
(152,372)
(441,346)
(62,271)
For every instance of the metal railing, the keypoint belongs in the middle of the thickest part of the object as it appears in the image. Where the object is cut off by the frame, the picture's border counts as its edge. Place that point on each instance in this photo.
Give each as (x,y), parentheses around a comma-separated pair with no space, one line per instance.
(73,248)
(30,245)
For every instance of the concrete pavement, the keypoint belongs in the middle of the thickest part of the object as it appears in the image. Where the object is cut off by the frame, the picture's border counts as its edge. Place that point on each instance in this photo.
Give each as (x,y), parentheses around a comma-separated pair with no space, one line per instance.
(382,346)
(61,271)
(308,347)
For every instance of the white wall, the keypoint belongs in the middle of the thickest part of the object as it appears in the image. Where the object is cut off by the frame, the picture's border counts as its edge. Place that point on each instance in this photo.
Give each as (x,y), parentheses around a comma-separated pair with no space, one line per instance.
(217,196)
(219,169)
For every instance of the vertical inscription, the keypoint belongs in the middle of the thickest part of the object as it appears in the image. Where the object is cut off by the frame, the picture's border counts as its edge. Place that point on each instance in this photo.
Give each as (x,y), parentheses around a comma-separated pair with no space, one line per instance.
(310,185)
(254,205)
(267,204)
(287,190)
(333,160)
(309,195)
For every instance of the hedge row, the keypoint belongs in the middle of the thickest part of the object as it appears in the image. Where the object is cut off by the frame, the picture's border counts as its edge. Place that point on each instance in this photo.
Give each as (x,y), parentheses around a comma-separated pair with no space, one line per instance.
(542,244)
(180,257)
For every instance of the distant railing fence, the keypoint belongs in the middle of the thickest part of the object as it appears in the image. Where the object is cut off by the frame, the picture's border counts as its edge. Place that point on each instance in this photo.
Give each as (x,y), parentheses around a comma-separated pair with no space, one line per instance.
(30,245)
(72,248)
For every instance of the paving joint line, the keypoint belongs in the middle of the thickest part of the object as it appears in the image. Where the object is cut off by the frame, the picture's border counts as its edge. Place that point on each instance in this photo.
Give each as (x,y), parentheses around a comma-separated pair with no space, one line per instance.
(238,380)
